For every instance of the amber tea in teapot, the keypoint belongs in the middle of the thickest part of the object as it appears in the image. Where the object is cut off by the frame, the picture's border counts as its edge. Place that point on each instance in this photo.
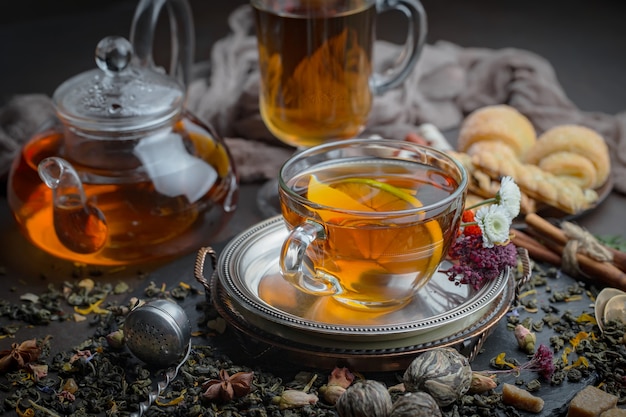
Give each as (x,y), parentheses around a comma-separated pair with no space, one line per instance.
(123,220)
(125,175)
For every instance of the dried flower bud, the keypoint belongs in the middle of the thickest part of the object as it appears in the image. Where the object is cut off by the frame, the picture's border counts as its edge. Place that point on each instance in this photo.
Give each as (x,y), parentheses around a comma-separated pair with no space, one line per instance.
(525,338)
(66,396)
(39,371)
(87,284)
(331,393)
(481,383)
(116,339)
(338,381)
(341,376)
(415,404)
(291,398)
(443,373)
(365,399)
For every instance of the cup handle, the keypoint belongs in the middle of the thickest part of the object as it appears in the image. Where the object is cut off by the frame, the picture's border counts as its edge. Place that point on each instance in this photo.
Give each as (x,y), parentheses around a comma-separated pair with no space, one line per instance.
(293,261)
(416,38)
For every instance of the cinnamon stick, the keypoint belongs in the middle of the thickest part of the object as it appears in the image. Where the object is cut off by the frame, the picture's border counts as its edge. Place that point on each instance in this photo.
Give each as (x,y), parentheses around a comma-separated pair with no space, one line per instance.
(536,250)
(547,229)
(619,258)
(605,272)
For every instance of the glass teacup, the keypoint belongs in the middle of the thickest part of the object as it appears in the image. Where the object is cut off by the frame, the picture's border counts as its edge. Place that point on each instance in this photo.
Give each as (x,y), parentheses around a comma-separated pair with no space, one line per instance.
(370,220)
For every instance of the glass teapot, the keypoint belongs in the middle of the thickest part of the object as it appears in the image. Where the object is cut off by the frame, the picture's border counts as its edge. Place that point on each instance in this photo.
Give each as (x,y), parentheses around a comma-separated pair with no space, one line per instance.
(125,175)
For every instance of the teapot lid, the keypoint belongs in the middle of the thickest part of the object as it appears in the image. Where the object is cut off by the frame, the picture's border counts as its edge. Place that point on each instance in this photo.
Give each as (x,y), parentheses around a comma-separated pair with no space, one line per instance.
(119,95)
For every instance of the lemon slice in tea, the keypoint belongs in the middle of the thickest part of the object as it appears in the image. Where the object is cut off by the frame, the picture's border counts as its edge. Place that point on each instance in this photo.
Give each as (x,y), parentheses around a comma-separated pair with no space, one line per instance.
(369,195)
(326,195)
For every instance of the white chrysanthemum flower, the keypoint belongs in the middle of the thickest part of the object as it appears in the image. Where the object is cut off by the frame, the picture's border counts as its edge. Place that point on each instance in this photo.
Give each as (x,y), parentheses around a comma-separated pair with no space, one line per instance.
(509,196)
(495,223)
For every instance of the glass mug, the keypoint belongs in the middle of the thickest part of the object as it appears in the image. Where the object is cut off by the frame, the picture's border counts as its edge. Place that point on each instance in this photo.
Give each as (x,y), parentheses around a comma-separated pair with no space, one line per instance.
(315,59)
(369,220)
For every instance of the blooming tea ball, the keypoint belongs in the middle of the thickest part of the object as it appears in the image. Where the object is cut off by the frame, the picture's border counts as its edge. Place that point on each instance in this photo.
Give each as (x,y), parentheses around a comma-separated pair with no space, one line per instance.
(416,404)
(366,398)
(443,373)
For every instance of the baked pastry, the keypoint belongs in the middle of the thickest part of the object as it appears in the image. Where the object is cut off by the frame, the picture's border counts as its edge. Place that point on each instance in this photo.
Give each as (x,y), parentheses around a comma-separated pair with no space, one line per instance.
(497,123)
(482,186)
(497,159)
(572,151)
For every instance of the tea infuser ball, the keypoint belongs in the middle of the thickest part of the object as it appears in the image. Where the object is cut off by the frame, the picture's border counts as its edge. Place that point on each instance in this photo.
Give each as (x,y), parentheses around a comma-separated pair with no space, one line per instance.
(158,332)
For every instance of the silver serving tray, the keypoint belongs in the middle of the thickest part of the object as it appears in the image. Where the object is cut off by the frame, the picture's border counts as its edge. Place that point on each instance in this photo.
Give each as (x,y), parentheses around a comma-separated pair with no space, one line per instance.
(269,341)
(249,274)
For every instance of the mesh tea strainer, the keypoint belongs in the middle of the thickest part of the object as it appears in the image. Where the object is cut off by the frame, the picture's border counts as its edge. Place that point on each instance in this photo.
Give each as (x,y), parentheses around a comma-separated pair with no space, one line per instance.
(158,333)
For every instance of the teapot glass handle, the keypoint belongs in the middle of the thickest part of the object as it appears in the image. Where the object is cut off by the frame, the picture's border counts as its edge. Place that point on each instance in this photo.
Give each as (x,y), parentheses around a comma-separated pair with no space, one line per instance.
(182,34)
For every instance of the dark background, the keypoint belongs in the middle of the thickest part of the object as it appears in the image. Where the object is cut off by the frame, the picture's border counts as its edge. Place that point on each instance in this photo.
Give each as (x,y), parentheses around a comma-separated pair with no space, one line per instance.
(44,42)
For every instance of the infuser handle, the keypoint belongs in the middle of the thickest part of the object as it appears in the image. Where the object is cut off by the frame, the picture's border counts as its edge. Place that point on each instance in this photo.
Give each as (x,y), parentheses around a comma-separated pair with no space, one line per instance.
(182,34)
(170,375)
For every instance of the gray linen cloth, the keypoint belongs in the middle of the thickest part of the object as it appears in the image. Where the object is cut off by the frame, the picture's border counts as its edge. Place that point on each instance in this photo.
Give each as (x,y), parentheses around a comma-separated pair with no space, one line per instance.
(448,83)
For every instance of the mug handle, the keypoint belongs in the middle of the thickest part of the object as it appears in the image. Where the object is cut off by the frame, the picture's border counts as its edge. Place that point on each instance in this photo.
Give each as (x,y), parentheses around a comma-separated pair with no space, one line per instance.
(293,261)
(416,37)
(182,35)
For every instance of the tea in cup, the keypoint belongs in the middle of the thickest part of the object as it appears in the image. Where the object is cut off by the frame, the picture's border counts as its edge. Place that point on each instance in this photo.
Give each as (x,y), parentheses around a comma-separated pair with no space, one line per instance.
(370,220)
(316,68)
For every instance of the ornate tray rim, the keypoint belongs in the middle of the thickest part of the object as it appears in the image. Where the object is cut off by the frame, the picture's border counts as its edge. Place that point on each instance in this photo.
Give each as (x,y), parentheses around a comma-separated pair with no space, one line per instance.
(392,358)
(228,261)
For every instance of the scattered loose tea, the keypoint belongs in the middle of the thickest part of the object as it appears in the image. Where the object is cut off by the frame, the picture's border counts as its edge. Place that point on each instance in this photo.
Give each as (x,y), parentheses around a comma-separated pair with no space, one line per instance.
(109,381)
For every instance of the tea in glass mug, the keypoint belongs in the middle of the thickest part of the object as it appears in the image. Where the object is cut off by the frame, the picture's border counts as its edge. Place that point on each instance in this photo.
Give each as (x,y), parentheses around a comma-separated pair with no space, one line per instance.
(315,59)
(370,220)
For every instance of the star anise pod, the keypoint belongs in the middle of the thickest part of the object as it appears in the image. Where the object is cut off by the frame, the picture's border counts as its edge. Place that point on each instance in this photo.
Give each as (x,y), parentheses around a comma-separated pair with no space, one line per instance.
(228,387)
(20,355)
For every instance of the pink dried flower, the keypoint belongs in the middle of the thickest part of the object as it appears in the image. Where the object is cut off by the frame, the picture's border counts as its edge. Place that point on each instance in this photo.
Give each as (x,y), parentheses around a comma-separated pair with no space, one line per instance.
(474,264)
(341,376)
(542,362)
(66,396)
(338,381)
(39,371)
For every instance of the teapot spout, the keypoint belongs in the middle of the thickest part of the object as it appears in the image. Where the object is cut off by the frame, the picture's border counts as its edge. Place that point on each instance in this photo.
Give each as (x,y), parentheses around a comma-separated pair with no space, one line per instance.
(79,225)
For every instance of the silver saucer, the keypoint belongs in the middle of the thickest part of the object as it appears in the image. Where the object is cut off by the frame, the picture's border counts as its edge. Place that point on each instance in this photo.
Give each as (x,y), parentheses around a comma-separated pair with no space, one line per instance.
(269,341)
(248,273)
